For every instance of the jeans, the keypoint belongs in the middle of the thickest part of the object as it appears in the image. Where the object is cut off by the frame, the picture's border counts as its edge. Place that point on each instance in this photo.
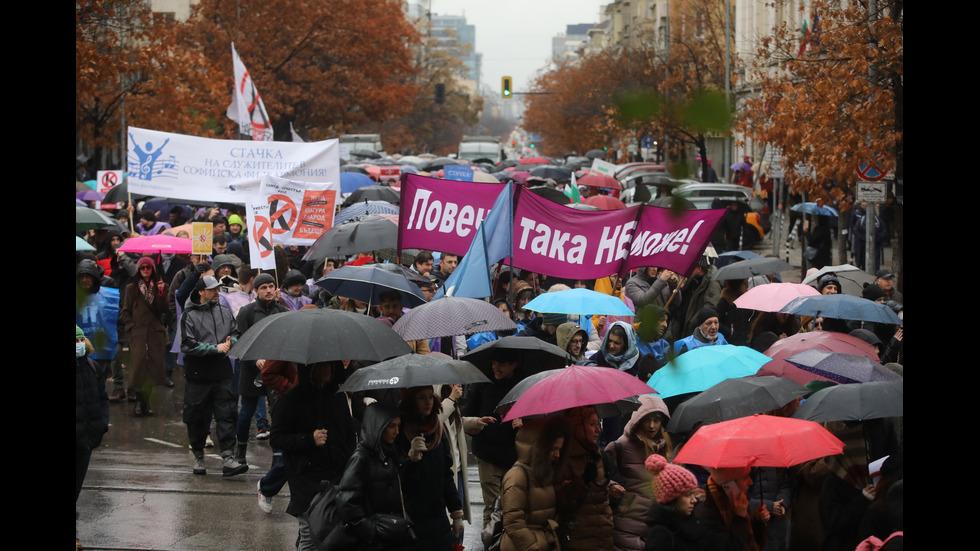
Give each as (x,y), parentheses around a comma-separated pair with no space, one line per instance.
(251,405)
(273,481)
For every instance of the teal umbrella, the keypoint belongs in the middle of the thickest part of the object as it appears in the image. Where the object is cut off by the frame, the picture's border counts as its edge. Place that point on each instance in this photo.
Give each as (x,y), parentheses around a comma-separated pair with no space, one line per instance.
(82,245)
(704,367)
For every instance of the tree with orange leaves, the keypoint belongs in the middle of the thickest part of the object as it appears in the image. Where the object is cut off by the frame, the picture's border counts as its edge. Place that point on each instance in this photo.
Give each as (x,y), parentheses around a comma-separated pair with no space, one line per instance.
(130,70)
(326,65)
(832,100)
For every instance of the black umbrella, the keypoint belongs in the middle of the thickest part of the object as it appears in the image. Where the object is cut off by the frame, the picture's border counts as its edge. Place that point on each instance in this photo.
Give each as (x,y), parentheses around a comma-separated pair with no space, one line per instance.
(365,154)
(372,193)
(550,194)
(367,283)
(556,173)
(319,335)
(354,168)
(450,316)
(117,194)
(534,355)
(413,370)
(854,402)
(357,235)
(438,163)
(752,267)
(734,398)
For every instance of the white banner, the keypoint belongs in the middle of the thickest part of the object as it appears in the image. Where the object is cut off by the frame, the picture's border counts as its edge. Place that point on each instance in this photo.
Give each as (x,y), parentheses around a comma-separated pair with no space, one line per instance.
(260,238)
(246,106)
(298,212)
(106,180)
(204,169)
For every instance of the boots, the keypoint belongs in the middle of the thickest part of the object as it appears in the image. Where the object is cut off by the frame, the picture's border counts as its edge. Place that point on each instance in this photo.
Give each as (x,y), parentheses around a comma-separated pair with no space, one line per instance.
(242,448)
(142,406)
(199,462)
(231,467)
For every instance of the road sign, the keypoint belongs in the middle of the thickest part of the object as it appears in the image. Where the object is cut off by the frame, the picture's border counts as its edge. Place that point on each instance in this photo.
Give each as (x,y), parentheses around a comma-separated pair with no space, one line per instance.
(872,170)
(871,192)
(647,142)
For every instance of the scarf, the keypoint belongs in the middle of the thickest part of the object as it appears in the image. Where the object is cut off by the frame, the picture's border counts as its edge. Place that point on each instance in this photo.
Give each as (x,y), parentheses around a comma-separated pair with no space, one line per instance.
(432,431)
(147,289)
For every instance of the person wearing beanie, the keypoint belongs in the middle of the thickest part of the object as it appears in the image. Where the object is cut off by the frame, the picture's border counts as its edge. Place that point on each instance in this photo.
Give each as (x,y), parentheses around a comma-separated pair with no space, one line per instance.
(671,520)
(705,334)
(544,327)
(236,227)
(829,285)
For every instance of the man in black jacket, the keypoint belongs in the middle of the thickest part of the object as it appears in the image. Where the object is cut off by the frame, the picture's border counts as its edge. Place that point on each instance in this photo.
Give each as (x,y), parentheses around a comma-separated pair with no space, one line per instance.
(208,331)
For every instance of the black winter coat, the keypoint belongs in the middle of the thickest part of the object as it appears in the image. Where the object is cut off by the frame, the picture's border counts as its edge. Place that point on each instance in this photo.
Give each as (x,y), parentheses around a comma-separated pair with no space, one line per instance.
(249,315)
(671,530)
(91,405)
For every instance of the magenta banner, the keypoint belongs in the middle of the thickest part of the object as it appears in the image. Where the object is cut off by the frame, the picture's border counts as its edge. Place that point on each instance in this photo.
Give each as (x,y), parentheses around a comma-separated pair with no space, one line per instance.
(552,239)
(442,215)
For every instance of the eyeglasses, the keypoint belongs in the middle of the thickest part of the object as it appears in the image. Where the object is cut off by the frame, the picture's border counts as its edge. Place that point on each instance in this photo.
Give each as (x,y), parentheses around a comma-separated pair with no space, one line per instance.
(146,267)
(576,341)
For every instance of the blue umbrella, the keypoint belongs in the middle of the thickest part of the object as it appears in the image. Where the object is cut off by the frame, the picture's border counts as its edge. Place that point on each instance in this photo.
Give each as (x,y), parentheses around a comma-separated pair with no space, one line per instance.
(843,307)
(352,181)
(367,283)
(725,259)
(82,245)
(704,367)
(579,301)
(815,209)
(367,207)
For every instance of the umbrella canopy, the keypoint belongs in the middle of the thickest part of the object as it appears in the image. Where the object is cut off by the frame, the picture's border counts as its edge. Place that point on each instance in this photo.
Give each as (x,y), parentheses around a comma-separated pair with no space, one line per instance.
(604,202)
(367,283)
(372,193)
(319,335)
(575,386)
(160,243)
(451,316)
(534,161)
(118,193)
(600,181)
(82,245)
(361,209)
(189,228)
(89,195)
(579,301)
(842,368)
(352,168)
(734,398)
(440,162)
(534,355)
(365,153)
(413,370)
(857,402)
(480,176)
(619,407)
(815,209)
(772,297)
(353,181)
(759,441)
(595,154)
(745,269)
(550,194)
(553,172)
(410,275)
(729,257)
(90,219)
(843,307)
(852,278)
(822,340)
(704,367)
(357,235)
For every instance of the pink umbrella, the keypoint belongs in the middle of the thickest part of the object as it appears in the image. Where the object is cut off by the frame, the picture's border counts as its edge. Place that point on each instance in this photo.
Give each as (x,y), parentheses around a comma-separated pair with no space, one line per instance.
(600,181)
(604,202)
(160,243)
(576,386)
(819,340)
(772,297)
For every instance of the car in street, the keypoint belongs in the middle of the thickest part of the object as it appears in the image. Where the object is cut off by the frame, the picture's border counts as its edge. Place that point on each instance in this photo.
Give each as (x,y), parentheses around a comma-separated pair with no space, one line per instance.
(715,195)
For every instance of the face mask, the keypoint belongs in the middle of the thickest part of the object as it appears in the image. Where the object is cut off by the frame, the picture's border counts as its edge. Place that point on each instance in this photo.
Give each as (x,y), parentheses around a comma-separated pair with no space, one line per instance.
(79,349)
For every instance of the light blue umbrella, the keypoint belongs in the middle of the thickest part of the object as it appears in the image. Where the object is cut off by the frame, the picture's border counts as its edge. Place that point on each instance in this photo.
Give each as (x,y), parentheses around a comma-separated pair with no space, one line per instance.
(704,367)
(579,301)
(82,245)
(844,307)
(815,209)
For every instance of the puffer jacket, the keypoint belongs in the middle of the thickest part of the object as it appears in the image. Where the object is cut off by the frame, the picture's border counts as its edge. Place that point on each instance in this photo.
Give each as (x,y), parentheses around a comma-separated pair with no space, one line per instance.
(585,516)
(370,484)
(529,505)
(628,453)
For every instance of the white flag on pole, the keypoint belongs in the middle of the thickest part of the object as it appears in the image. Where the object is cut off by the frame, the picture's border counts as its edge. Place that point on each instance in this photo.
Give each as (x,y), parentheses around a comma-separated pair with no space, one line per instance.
(296,137)
(246,106)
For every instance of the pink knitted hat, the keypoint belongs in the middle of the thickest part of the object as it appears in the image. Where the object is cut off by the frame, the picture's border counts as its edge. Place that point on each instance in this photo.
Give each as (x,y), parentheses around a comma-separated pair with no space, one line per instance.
(669,481)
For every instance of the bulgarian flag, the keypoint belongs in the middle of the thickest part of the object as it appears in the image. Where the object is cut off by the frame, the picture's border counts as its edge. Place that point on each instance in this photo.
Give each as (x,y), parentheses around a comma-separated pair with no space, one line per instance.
(571,190)
(804,37)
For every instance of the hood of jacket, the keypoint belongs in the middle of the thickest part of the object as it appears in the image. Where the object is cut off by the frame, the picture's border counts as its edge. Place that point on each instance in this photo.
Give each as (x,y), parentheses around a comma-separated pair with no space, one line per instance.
(648,404)
(565,333)
(89,267)
(377,416)
(628,358)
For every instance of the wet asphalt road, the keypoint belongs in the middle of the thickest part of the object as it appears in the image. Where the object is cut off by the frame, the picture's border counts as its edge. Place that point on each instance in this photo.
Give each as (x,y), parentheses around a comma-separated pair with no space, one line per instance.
(140,492)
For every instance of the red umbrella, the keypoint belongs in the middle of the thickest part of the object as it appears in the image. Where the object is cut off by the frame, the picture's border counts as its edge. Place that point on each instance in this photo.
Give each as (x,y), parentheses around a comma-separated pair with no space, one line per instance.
(600,181)
(576,386)
(820,340)
(759,441)
(534,161)
(604,202)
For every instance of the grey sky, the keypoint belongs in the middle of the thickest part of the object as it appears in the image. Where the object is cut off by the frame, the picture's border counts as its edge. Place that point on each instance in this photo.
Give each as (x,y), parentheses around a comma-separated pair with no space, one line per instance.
(514,36)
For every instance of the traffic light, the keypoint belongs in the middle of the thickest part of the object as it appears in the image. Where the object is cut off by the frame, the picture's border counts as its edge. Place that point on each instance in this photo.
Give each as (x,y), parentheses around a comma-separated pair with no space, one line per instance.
(505,84)
(440,93)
